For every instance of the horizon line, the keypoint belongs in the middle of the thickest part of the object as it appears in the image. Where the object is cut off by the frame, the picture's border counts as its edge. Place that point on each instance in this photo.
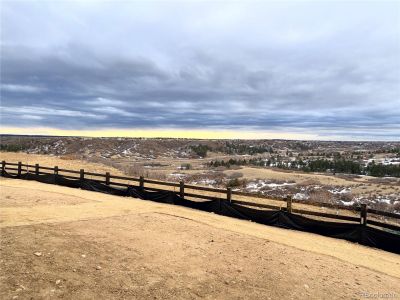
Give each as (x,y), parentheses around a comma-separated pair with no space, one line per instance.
(193,134)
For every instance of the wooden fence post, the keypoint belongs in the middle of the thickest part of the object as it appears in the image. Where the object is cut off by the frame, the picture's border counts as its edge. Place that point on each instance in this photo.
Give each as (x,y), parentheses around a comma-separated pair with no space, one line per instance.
(19,168)
(182,189)
(229,194)
(289,204)
(107,178)
(3,168)
(82,174)
(363,214)
(37,169)
(55,173)
(141,182)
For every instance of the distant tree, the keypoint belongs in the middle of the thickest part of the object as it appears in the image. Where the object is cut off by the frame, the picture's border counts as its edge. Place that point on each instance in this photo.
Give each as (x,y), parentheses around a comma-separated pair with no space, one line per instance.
(12,147)
(200,150)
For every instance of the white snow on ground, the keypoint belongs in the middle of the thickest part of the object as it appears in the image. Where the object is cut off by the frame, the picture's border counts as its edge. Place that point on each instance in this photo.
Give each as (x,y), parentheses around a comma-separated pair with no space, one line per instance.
(379,199)
(275,185)
(209,182)
(340,190)
(258,185)
(382,200)
(349,203)
(300,196)
(126,152)
(177,175)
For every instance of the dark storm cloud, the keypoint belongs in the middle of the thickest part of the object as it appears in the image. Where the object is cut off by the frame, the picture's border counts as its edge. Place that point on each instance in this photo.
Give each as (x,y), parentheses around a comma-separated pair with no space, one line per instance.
(145,69)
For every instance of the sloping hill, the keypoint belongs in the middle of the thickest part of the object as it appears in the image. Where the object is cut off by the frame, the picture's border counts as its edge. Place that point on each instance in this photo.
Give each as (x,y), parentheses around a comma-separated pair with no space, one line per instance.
(59,242)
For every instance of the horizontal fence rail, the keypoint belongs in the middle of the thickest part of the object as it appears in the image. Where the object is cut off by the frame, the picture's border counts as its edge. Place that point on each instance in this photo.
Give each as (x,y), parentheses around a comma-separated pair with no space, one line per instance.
(227,194)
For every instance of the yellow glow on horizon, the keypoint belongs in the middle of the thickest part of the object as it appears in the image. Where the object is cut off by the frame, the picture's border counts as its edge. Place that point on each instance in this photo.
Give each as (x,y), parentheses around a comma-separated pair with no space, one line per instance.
(154,133)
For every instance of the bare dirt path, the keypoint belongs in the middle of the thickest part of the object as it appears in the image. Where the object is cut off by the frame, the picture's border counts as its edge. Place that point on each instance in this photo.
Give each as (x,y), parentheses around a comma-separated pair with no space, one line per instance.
(95,246)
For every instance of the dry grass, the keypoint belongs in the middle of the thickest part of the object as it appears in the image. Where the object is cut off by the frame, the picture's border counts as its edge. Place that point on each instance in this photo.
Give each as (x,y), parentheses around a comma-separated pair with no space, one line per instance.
(255,173)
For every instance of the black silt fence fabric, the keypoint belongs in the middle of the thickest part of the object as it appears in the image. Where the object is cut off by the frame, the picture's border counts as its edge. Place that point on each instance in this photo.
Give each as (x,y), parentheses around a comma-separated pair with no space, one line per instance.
(365,235)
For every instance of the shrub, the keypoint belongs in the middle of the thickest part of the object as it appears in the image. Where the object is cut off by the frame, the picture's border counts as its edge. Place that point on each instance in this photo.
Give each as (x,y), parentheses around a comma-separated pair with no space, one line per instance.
(186,166)
(235,175)
(233,183)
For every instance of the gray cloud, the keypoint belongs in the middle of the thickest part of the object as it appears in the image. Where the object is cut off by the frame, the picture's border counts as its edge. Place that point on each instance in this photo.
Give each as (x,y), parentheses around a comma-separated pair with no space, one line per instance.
(254,66)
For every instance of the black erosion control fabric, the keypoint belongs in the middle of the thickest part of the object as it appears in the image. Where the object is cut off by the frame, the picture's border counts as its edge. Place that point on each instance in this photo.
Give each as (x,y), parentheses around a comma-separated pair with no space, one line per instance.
(358,233)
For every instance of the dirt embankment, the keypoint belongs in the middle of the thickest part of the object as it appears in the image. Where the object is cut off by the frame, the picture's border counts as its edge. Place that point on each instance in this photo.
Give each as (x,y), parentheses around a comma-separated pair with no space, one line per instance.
(62,162)
(58,242)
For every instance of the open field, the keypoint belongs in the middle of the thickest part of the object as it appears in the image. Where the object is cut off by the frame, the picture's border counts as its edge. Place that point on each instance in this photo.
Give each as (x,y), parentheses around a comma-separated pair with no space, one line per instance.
(298,177)
(91,245)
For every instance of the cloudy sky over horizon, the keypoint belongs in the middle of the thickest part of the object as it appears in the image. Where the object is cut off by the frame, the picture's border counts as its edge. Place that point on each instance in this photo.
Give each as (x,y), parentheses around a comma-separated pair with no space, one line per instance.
(320,69)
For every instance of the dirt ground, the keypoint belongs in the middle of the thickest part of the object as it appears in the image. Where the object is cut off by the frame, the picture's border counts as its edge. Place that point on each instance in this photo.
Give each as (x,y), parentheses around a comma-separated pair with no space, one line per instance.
(63,243)
(51,161)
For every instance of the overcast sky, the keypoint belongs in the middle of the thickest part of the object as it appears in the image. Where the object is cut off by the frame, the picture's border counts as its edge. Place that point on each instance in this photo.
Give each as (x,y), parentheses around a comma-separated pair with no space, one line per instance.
(324,69)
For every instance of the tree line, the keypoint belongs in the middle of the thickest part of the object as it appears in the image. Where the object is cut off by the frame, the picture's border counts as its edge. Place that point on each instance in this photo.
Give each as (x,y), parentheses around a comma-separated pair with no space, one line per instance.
(12,147)
(317,165)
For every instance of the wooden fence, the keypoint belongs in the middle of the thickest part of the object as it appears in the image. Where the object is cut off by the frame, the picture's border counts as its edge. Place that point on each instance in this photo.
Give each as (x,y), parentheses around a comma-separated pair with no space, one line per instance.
(227,194)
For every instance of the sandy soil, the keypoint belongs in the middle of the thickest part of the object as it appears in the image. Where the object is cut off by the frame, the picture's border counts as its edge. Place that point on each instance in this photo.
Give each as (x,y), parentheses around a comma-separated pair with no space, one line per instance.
(51,161)
(96,246)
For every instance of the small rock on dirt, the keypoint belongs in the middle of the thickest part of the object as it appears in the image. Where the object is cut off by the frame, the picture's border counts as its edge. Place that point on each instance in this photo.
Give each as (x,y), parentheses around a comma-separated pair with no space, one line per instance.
(38,253)
(98,268)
